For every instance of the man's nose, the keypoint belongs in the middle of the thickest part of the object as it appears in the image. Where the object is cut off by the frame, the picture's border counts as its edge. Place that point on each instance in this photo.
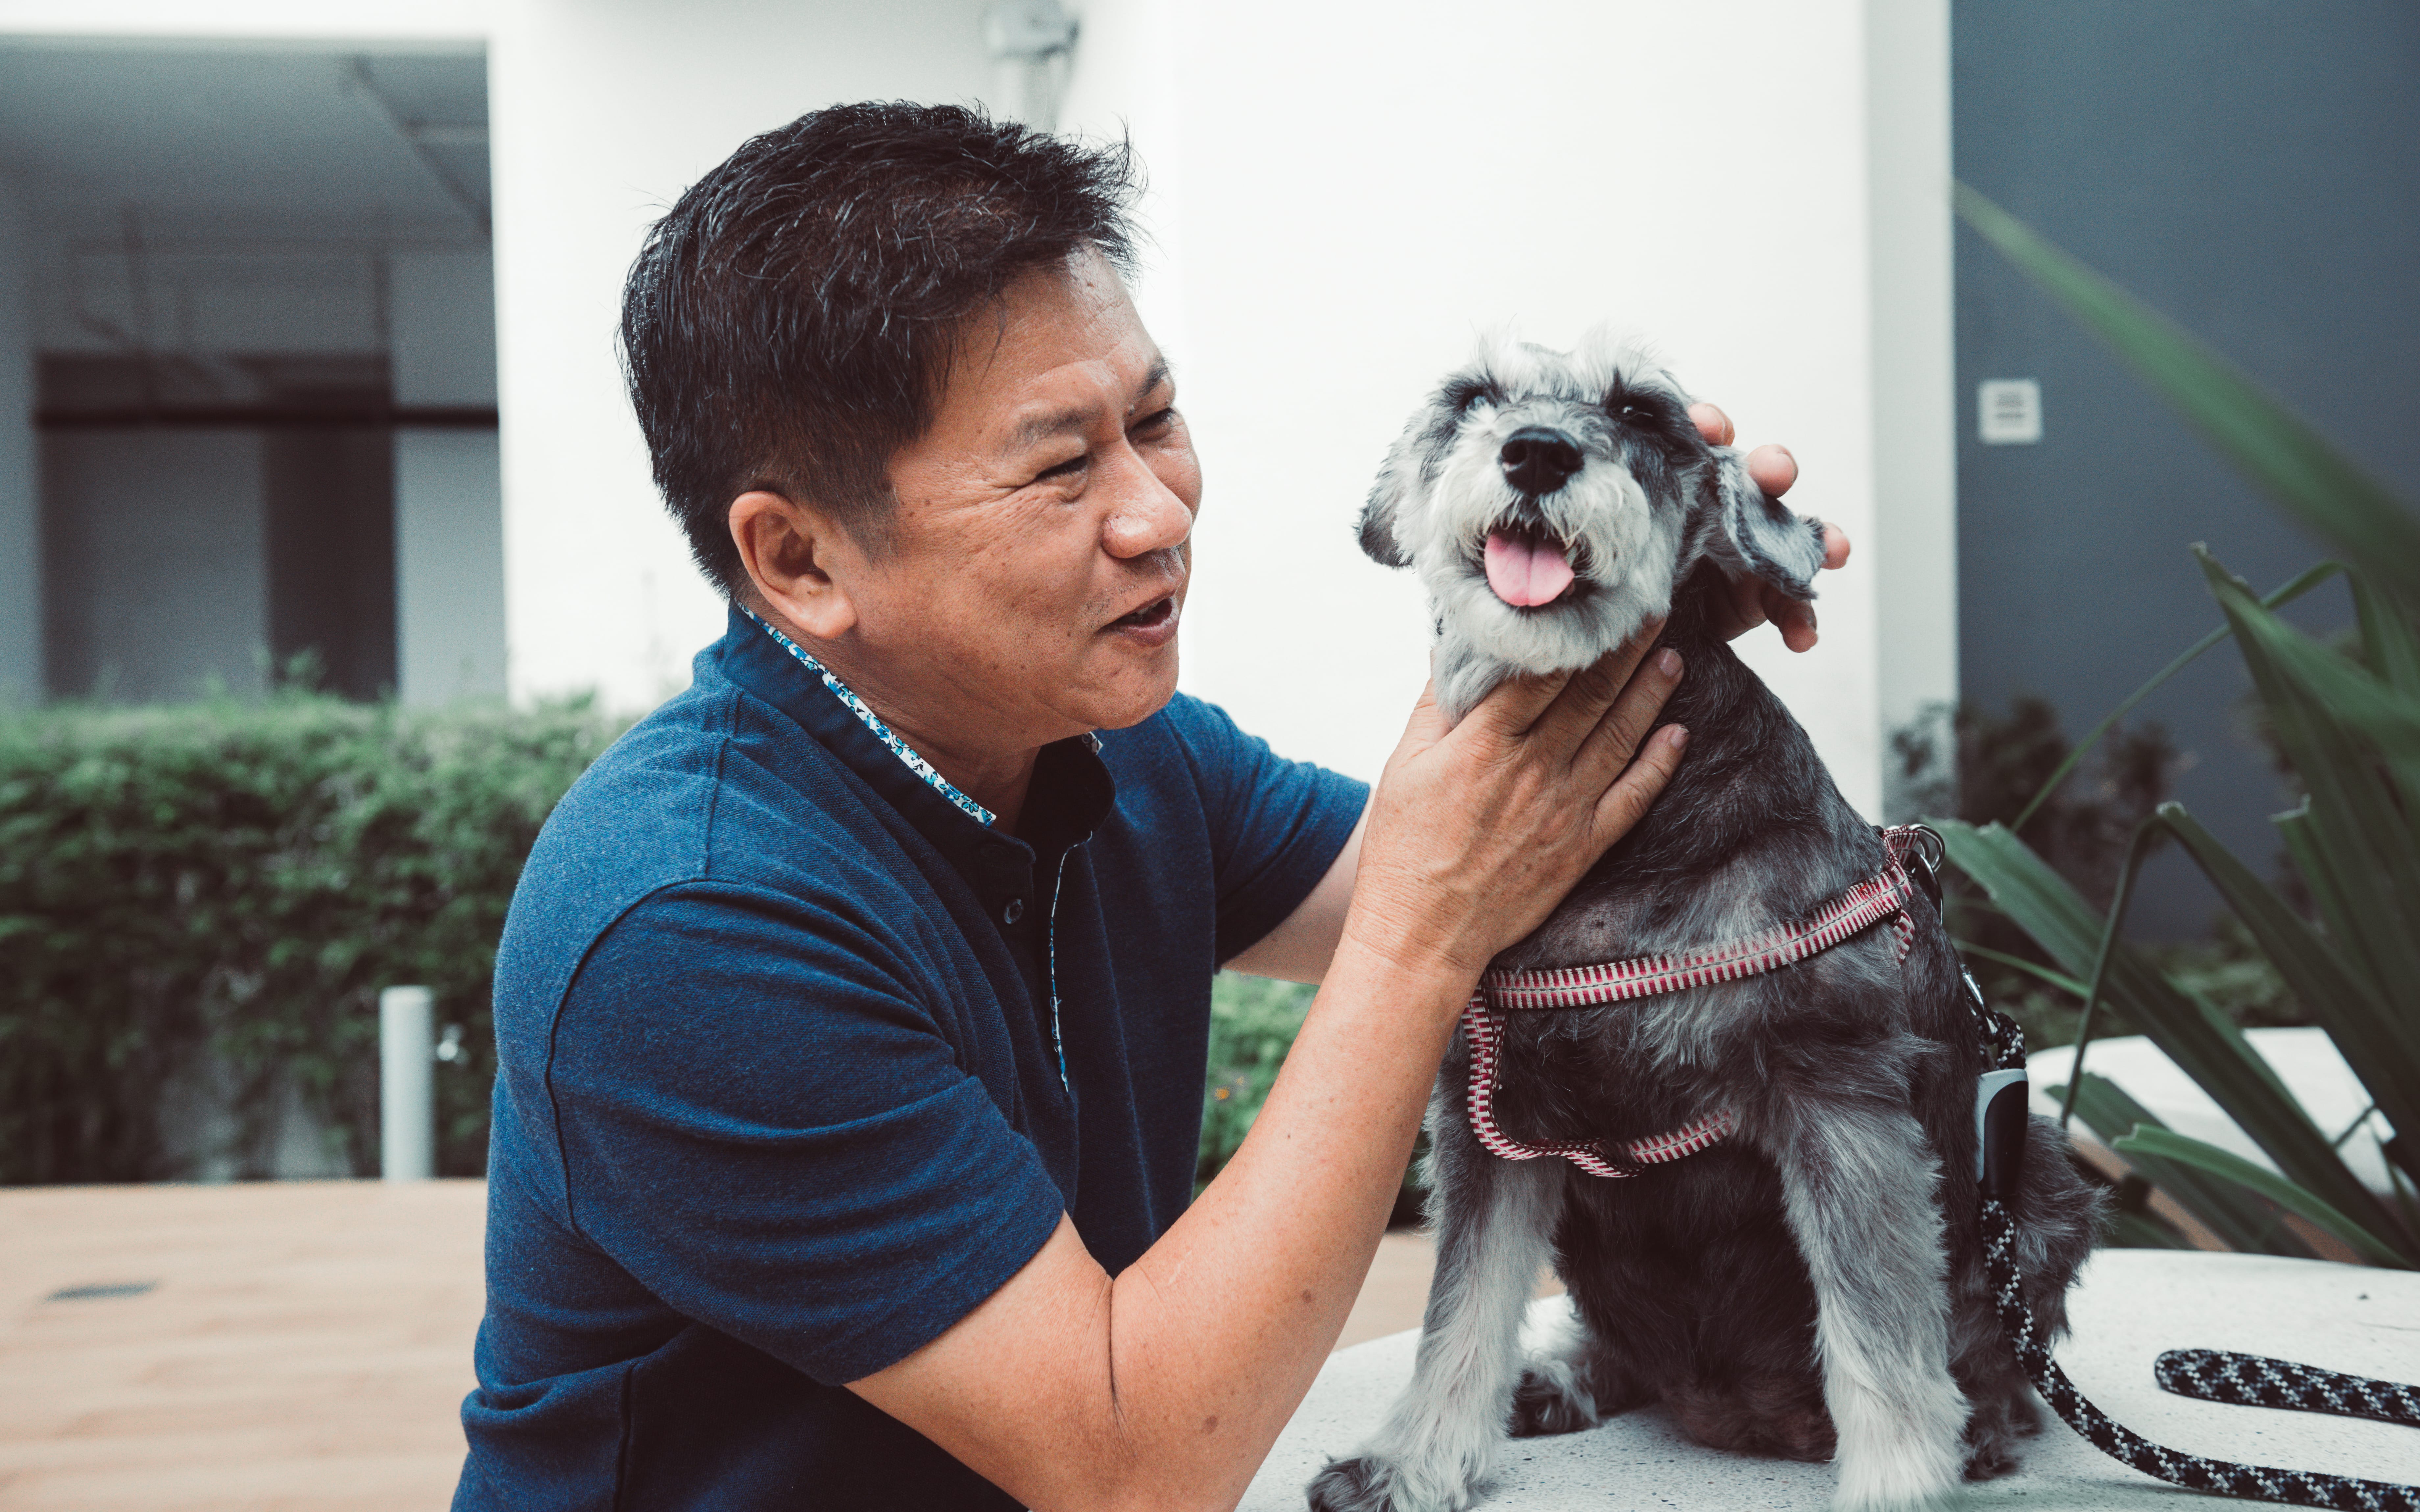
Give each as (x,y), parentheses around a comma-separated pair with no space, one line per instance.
(1539,459)
(1149,518)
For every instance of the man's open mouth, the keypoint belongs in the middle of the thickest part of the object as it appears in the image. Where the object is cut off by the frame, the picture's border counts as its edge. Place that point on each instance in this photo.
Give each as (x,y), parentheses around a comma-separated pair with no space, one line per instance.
(1527,566)
(1151,616)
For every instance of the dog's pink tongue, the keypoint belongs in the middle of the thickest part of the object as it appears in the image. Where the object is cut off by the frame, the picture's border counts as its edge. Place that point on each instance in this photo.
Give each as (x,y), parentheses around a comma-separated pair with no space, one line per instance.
(1526,573)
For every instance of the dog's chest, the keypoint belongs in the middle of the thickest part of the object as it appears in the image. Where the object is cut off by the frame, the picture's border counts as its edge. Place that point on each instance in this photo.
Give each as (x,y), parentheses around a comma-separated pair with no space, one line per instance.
(1597,1074)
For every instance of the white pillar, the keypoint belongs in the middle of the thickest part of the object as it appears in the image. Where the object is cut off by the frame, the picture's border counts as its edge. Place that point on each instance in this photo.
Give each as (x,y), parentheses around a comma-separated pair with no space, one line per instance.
(1914,547)
(449,529)
(406,1084)
(20,499)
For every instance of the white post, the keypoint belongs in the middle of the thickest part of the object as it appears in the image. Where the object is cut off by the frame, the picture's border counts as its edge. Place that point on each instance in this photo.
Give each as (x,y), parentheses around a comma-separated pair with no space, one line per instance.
(21,672)
(407,1084)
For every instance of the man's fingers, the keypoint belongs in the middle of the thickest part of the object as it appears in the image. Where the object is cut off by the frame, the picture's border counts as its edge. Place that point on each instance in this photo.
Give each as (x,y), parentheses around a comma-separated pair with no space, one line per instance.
(1516,704)
(1625,725)
(1773,469)
(1795,620)
(1626,802)
(1715,425)
(1581,707)
(1836,546)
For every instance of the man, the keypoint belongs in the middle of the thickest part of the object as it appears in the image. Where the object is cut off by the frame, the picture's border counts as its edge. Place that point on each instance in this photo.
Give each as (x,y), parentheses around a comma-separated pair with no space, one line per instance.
(852,1010)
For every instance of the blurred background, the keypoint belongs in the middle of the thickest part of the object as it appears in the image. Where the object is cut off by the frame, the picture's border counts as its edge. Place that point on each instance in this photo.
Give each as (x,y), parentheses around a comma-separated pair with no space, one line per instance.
(328,556)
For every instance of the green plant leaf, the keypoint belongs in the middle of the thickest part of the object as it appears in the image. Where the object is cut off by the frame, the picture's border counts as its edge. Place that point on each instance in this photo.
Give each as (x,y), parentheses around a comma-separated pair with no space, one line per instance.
(2166,1144)
(2364,847)
(2203,1042)
(2388,642)
(2242,1223)
(2381,1047)
(2281,453)
(2361,699)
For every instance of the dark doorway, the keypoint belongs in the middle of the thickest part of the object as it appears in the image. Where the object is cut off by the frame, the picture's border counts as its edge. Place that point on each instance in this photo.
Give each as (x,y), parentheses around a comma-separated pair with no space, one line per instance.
(200,515)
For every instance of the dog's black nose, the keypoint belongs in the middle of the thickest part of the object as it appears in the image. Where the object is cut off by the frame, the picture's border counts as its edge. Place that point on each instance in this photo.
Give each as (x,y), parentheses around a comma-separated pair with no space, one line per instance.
(1539,459)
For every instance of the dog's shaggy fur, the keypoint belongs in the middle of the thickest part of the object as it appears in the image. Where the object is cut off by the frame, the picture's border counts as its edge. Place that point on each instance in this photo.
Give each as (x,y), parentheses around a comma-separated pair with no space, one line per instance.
(1812,1286)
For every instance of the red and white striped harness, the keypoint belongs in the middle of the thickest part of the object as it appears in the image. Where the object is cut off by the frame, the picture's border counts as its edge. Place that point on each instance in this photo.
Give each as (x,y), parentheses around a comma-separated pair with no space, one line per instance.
(1883,896)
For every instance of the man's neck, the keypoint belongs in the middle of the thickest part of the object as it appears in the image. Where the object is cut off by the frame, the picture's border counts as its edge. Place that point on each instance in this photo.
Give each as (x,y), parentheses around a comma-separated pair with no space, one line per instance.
(997,778)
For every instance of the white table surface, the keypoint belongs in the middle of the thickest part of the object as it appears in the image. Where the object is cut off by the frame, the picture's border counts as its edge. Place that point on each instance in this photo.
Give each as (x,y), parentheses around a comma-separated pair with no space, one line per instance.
(2130,1306)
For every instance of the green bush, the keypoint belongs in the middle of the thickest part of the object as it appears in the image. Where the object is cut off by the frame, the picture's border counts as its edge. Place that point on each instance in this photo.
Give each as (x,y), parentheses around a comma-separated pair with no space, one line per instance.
(222,888)
(1252,1025)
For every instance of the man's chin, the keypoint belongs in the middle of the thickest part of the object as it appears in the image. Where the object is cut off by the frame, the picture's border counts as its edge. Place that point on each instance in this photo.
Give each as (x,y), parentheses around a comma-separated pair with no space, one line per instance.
(1135,697)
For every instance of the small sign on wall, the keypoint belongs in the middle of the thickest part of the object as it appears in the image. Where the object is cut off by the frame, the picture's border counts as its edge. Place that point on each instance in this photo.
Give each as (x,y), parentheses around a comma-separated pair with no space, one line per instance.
(2008,411)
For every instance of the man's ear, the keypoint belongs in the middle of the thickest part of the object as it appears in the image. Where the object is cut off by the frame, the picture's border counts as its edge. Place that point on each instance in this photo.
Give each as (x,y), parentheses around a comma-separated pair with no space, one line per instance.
(1395,481)
(798,560)
(1755,535)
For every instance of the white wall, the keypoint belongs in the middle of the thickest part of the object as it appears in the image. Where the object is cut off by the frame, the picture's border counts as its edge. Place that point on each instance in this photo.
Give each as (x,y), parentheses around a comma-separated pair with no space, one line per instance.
(21,510)
(1353,192)
(449,537)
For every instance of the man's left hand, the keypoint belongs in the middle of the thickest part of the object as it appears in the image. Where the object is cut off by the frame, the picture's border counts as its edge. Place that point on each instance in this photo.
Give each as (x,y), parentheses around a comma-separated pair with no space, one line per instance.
(1754,603)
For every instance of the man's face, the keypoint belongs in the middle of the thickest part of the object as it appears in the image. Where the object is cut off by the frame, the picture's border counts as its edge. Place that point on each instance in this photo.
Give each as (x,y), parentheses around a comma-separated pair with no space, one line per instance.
(1038,558)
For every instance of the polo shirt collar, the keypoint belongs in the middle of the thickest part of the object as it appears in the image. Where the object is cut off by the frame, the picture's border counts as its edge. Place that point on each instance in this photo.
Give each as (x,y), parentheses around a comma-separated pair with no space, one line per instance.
(1072,790)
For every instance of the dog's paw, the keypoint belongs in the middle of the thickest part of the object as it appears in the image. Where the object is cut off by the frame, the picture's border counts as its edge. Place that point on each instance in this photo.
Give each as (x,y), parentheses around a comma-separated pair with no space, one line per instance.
(1551,1400)
(1993,1431)
(1369,1484)
(1911,1477)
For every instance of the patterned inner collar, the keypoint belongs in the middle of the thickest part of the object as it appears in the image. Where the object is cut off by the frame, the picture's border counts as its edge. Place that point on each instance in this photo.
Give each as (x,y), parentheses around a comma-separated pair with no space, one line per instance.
(883,733)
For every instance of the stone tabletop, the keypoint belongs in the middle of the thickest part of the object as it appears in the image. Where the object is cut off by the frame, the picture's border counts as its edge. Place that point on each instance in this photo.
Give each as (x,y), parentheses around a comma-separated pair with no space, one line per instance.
(2130,1306)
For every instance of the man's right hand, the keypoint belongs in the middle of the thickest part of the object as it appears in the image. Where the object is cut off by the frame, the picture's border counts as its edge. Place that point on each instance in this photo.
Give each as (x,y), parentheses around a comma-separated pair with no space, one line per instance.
(1478,831)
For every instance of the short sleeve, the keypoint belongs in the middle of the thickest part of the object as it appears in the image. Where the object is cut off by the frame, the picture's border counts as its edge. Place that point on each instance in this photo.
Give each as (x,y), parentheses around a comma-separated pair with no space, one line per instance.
(1276,825)
(763,1123)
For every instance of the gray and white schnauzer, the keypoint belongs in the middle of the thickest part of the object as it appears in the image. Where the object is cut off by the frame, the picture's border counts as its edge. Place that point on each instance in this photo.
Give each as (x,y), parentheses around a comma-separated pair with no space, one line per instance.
(1813,1284)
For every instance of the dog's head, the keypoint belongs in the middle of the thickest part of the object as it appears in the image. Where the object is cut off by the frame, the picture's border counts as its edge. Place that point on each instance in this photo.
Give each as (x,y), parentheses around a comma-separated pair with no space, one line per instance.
(1552,501)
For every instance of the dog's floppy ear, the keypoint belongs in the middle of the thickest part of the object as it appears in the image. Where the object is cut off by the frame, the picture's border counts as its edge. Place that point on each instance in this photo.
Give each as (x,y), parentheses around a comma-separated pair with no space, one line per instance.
(1754,535)
(1395,480)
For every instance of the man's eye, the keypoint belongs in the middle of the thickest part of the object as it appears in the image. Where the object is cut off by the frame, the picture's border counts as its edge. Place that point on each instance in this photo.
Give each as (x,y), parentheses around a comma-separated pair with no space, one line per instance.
(1156,420)
(1067,468)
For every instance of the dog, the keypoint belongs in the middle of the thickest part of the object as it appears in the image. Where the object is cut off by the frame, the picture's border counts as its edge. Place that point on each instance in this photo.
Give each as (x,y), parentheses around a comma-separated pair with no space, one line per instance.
(1811,1286)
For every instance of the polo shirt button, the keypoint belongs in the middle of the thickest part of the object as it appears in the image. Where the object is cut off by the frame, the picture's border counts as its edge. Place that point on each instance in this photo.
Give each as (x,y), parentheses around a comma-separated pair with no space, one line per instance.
(1015,910)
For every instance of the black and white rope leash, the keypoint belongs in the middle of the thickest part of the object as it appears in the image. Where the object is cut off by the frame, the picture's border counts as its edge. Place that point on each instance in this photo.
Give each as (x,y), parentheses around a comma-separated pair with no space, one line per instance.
(2212,1375)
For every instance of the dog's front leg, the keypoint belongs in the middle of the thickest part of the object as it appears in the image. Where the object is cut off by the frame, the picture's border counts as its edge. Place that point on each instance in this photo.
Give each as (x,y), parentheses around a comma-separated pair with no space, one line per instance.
(1858,1182)
(1494,1221)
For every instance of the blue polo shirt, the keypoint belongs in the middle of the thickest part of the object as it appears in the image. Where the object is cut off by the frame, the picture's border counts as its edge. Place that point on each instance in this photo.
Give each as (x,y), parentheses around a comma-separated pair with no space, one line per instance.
(799,1060)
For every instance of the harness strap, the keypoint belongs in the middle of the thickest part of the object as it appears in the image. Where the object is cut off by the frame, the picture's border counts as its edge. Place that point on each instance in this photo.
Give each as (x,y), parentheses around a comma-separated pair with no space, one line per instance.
(1883,896)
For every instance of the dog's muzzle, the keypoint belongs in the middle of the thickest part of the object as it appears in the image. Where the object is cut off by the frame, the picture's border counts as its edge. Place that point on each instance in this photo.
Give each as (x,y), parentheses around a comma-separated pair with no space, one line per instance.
(1539,459)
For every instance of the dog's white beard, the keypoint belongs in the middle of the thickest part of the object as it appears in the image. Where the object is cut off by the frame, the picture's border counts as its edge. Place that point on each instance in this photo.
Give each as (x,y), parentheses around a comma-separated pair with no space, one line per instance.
(1629,547)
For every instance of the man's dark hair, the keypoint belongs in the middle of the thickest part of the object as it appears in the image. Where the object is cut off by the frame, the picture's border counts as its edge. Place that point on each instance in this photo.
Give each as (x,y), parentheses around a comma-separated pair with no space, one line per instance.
(790,323)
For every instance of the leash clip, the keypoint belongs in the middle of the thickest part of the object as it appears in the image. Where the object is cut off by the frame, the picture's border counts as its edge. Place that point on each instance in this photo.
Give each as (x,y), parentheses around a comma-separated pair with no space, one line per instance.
(2000,1120)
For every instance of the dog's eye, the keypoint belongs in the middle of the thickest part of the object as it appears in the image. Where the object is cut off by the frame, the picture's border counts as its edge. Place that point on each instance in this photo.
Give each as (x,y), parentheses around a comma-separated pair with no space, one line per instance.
(1459,396)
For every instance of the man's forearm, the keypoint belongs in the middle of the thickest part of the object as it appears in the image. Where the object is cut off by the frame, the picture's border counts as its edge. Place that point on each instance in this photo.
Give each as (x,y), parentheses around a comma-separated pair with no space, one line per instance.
(1243,1297)
(1164,1386)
